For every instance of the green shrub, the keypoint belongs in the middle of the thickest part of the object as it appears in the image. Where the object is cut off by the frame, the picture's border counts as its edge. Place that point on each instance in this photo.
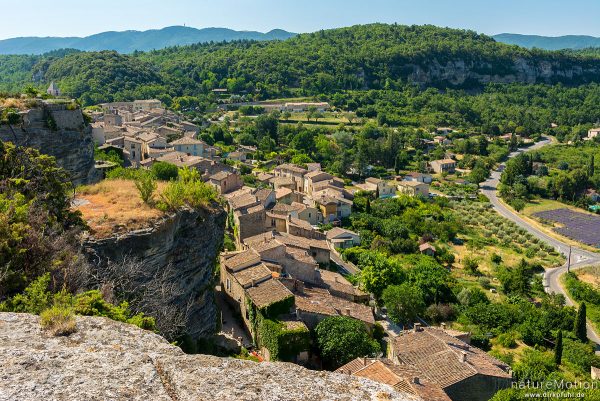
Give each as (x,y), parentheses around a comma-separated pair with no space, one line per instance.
(188,190)
(146,185)
(341,339)
(164,171)
(283,343)
(58,321)
(507,340)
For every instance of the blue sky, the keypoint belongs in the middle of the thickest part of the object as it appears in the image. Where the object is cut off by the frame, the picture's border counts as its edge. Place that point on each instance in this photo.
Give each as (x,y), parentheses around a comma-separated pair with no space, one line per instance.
(81,18)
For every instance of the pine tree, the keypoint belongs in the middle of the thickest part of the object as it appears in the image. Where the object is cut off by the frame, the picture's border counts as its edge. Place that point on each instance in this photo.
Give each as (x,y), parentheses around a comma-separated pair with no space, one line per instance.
(368,208)
(591,167)
(580,329)
(558,348)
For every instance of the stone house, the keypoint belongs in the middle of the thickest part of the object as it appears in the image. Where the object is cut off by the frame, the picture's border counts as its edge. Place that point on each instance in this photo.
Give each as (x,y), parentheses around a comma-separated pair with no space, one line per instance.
(146,105)
(284,195)
(288,261)
(313,177)
(427,249)
(341,238)
(441,140)
(283,182)
(443,166)
(133,148)
(444,130)
(317,249)
(413,188)
(384,188)
(401,378)
(418,177)
(266,197)
(294,172)
(315,304)
(166,131)
(464,372)
(113,120)
(237,156)
(246,279)
(333,208)
(226,182)
(338,286)
(249,217)
(307,213)
(190,146)
(264,178)
(593,133)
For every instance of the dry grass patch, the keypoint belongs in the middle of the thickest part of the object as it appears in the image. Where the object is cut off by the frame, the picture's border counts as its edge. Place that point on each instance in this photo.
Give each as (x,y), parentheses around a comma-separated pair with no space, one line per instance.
(590,275)
(115,207)
(58,321)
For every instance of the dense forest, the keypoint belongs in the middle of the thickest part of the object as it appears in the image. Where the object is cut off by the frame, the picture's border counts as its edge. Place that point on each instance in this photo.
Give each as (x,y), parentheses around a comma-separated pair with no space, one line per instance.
(362,57)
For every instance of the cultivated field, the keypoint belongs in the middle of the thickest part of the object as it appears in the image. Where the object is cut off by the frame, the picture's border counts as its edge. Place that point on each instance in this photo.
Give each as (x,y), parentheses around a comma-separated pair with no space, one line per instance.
(578,226)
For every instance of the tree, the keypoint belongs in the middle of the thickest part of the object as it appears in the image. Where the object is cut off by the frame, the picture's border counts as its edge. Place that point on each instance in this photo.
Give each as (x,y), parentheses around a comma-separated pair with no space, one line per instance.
(341,339)
(146,185)
(591,168)
(403,303)
(558,348)
(368,206)
(479,174)
(164,171)
(579,328)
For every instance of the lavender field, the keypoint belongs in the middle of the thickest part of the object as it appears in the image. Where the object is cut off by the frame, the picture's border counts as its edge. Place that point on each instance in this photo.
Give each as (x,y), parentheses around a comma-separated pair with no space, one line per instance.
(581,227)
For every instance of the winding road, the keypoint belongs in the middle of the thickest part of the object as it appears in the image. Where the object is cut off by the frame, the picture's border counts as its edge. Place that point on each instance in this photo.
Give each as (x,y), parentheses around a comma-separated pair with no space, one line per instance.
(579,257)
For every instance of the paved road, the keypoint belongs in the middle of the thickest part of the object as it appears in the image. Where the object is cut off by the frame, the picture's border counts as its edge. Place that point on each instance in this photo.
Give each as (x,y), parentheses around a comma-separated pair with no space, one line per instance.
(579,257)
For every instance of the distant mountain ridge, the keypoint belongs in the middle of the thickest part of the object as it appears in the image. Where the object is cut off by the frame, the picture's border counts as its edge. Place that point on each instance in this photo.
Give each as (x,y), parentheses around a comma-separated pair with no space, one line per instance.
(130,41)
(575,42)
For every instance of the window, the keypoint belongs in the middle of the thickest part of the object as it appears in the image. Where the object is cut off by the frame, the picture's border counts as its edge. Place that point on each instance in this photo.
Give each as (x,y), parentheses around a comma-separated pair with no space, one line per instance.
(228,285)
(309,215)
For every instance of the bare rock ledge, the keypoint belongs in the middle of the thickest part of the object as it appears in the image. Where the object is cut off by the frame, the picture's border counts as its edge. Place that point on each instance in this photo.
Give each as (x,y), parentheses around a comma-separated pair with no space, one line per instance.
(107,360)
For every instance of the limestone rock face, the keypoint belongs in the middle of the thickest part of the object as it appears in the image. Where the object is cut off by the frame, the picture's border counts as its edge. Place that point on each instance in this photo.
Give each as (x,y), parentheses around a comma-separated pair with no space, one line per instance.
(107,360)
(70,142)
(460,72)
(187,243)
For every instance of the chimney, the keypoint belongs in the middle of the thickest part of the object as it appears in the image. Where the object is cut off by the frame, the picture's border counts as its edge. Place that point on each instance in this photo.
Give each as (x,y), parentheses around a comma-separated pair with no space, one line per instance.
(364,359)
(462,357)
(335,279)
(443,326)
(416,380)
(417,327)
(347,311)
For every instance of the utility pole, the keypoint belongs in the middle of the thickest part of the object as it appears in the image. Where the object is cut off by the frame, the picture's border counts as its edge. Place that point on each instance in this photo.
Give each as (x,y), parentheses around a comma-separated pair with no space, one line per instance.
(569,262)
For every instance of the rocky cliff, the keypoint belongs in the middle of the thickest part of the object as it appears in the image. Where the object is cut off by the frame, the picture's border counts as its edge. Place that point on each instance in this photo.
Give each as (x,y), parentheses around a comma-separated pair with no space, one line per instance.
(57,130)
(474,73)
(106,360)
(177,255)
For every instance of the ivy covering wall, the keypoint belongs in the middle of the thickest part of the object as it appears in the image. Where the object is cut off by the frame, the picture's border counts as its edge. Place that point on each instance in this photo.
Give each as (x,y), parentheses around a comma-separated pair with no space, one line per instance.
(283,343)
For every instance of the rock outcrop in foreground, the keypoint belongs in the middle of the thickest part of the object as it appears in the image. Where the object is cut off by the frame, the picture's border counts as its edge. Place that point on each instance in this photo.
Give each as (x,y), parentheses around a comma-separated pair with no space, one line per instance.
(107,360)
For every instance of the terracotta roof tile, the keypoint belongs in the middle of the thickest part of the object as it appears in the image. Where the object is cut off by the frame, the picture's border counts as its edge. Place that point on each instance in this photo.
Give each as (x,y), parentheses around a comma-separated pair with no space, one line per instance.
(267,293)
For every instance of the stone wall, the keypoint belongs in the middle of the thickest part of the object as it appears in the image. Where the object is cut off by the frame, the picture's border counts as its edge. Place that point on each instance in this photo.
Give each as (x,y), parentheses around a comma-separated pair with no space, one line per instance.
(71,143)
(106,360)
(187,242)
